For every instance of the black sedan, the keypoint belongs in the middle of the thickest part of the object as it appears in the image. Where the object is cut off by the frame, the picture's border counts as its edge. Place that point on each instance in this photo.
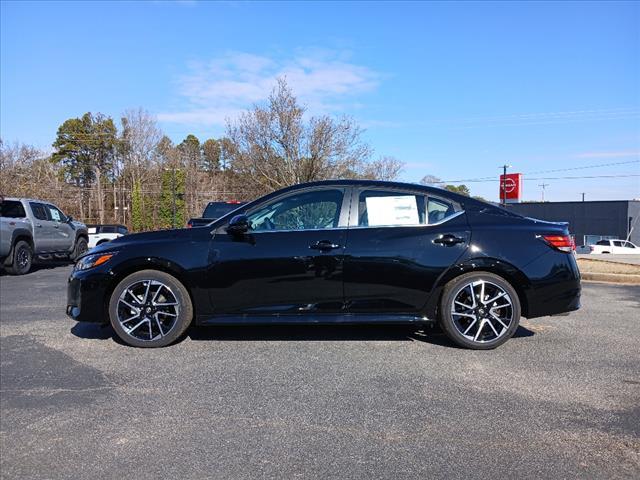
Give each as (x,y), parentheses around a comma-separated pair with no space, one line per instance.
(335,252)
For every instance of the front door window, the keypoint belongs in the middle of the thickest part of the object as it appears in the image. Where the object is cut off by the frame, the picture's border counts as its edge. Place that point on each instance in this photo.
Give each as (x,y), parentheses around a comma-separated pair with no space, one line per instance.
(315,210)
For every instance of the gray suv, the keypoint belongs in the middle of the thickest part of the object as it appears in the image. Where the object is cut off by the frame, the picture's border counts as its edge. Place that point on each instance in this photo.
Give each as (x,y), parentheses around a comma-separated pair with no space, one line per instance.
(34,228)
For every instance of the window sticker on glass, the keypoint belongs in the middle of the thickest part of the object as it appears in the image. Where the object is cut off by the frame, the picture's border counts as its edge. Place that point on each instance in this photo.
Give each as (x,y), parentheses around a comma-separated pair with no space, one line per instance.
(399,210)
(55,215)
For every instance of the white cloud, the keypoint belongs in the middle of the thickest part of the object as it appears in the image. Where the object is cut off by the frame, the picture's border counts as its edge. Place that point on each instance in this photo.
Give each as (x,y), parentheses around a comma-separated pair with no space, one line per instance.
(223,87)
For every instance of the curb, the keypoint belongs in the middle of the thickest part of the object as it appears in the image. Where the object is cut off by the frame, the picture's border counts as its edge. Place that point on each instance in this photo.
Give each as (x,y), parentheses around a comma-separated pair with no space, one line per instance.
(627,278)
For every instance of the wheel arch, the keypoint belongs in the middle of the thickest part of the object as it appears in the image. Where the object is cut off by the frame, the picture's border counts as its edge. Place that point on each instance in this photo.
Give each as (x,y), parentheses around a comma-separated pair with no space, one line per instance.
(516,278)
(17,236)
(147,263)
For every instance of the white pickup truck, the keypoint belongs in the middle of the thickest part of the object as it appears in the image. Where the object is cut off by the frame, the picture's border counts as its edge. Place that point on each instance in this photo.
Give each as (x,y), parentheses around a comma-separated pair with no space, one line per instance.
(619,247)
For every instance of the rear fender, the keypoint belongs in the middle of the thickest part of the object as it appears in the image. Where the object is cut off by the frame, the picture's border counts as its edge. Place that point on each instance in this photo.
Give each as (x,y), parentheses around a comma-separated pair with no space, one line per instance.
(513,275)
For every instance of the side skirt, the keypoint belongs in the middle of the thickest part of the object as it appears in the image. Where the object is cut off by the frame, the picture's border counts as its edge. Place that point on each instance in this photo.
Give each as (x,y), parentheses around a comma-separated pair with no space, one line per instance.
(310,319)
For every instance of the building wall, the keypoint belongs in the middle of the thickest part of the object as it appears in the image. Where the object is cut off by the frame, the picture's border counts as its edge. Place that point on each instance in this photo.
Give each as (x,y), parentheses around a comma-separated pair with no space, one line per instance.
(587,218)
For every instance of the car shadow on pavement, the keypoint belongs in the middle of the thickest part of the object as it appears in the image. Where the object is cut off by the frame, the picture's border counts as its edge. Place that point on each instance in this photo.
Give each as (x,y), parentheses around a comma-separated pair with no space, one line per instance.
(48,265)
(424,333)
(296,333)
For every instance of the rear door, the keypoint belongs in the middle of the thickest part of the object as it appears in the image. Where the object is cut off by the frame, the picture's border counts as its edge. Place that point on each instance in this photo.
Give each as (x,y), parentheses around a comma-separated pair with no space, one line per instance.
(399,242)
(44,231)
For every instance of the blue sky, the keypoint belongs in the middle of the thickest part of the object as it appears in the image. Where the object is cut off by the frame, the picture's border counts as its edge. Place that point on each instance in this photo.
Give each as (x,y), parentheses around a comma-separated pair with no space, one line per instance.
(452,89)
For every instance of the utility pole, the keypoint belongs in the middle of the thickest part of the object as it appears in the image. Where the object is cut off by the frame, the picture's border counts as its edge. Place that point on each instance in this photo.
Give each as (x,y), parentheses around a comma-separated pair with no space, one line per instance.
(504,183)
(582,196)
(543,185)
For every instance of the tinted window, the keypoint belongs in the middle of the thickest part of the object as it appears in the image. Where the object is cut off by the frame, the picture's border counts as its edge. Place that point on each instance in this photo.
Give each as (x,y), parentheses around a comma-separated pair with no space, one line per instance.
(617,244)
(38,211)
(108,229)
(439,209)
(629,245)
(303,211)
(122,230)
(12,208)
(603,242)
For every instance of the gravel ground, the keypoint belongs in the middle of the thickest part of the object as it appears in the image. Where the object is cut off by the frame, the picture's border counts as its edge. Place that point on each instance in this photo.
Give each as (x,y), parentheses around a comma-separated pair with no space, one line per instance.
(560,400)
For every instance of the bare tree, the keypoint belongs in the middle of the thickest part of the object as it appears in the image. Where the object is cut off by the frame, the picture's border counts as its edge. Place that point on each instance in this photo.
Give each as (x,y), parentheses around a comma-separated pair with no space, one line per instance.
(140,139)
(385,168)
(273,146)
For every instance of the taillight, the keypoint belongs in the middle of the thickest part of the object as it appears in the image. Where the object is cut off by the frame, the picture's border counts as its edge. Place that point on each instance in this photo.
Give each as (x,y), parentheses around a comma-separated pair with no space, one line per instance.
(189,225)
(560,242)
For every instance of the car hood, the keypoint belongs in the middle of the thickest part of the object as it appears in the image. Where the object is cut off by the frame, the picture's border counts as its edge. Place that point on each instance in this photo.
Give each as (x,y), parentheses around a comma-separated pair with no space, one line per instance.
(182,234)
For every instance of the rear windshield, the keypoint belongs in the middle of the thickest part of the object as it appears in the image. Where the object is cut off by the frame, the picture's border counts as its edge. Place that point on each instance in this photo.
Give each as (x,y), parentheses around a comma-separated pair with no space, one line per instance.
(12,208)
(218,209)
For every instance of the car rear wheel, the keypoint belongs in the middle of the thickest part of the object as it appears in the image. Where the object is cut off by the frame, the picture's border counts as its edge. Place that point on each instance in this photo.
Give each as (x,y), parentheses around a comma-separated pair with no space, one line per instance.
(479,310)
(150,309)
(22,259)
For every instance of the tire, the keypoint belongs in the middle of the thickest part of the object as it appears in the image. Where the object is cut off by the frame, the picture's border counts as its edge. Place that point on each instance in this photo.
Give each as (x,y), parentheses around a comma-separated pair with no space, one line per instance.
(79,249)
(476,325)
(101,242)
(150,309)
(22,259)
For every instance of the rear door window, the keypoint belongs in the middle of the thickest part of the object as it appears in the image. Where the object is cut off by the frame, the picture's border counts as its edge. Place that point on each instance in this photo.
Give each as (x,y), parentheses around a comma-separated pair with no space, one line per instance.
(38,211)
(401,208)
(377,208)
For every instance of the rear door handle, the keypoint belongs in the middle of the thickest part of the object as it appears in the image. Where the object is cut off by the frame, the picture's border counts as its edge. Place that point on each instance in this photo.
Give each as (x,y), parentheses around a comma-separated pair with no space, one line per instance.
(448,240)
(324,245)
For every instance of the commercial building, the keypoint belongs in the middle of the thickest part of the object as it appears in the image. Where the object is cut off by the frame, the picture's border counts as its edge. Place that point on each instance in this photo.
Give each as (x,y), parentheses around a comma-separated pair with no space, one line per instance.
(589,221)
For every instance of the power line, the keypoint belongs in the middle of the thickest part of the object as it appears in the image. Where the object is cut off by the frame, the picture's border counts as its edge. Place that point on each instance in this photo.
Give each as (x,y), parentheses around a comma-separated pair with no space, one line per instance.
(480,179)
(548,178)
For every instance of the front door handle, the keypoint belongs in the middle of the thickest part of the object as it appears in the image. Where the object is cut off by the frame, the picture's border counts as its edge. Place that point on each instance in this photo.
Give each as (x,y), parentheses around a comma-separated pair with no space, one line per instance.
(448,240)
(324,245)
(39,225)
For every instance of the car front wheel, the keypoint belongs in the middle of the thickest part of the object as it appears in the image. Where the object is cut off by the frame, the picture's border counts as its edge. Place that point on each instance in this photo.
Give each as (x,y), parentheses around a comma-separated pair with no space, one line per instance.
(150,308)
(479,310)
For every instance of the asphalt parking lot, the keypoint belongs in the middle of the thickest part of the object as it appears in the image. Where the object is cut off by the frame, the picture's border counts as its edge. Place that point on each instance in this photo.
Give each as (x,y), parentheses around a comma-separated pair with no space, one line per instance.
(560,400)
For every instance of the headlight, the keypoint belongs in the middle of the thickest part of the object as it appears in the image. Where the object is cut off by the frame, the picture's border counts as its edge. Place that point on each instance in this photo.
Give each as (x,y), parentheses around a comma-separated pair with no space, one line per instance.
(91,261)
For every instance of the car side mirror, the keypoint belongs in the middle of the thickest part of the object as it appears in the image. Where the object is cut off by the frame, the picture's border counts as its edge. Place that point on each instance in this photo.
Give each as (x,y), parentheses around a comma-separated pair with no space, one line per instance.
(239,225)
(69,219)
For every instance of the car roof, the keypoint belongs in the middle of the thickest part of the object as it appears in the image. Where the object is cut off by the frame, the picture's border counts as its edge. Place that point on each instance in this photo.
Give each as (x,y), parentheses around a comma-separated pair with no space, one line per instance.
(383,184)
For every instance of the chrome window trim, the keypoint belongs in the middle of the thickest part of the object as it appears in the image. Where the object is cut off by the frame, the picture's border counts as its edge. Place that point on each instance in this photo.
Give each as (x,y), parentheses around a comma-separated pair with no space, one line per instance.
(423,225)
(444,220)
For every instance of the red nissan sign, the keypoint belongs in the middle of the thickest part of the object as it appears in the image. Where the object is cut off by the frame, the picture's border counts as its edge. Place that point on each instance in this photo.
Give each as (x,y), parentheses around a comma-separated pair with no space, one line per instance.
(511,187)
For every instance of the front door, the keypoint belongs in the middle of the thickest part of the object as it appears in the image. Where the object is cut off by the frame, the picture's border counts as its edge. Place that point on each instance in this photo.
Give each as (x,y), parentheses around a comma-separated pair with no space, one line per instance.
(290,262)
(402,242)
(64,233)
